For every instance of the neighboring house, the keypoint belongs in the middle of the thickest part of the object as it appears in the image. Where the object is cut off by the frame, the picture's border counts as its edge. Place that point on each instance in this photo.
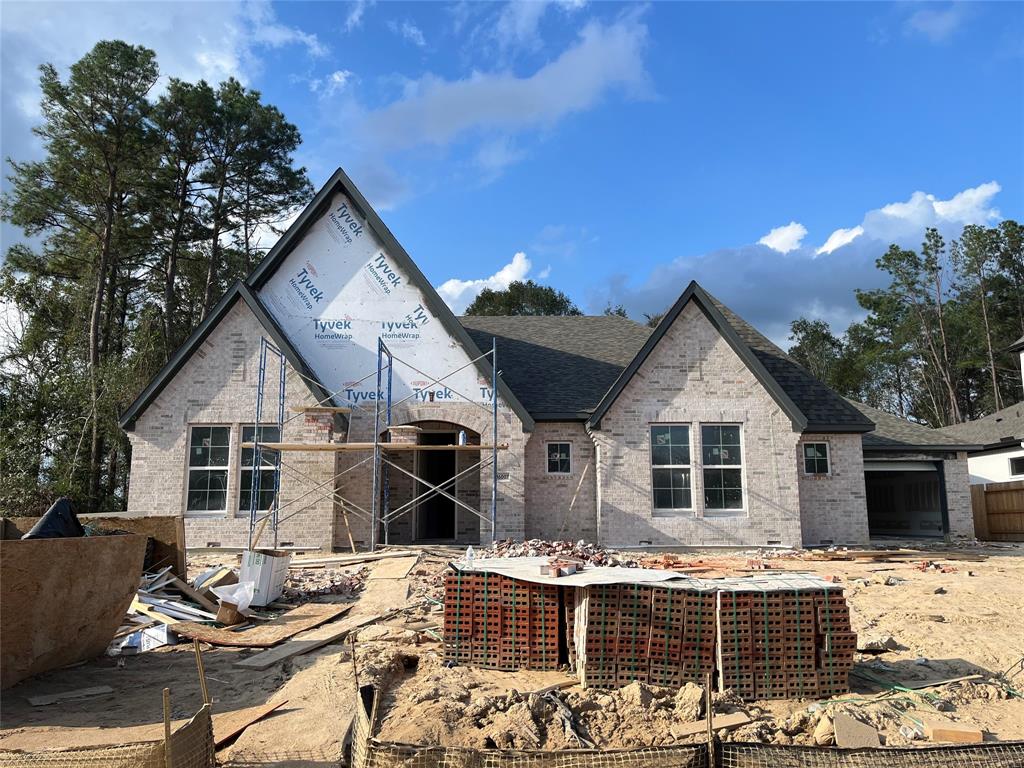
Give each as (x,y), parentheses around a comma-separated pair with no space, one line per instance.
(698,433)
(1000,436)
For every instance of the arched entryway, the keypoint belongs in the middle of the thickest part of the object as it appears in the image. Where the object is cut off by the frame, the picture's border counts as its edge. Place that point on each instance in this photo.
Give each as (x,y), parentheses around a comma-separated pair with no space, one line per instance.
(429,492)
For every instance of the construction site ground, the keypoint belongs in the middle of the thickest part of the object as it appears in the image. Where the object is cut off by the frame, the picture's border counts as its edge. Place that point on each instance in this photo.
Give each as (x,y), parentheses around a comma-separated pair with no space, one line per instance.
(962,615)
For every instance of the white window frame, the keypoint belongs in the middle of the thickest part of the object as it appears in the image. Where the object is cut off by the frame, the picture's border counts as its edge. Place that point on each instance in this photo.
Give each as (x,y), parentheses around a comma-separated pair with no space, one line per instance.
(190,468)
(547,457)
(742,467)
(244,466)
(828,458)
(671,511)
(1009,464)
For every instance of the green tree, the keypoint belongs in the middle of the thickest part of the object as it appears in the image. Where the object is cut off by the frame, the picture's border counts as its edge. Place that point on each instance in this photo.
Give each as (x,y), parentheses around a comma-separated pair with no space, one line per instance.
(816,348)
(82,197)
(523,298)
(617,311)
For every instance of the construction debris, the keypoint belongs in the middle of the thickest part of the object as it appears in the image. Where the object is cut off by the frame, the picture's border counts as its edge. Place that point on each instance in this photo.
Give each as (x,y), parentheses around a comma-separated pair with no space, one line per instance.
(579,551)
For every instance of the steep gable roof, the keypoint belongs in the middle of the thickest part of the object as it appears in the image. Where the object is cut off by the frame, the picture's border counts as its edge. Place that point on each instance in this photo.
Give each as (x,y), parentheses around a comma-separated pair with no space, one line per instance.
(560,367)
(809,404)
(339,182)
(238,291)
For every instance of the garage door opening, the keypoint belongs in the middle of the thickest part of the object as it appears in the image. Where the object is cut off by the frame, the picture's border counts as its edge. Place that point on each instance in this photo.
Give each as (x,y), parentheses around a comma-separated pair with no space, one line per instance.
(904,499)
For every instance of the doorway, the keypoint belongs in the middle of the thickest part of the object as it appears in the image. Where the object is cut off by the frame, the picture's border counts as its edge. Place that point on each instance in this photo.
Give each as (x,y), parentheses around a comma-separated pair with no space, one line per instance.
(904,499)
(435,516)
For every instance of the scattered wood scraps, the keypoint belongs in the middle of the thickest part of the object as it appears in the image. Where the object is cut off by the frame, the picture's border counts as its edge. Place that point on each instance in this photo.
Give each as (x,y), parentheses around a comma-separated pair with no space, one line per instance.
(266,635)
(309,641)
(228,725)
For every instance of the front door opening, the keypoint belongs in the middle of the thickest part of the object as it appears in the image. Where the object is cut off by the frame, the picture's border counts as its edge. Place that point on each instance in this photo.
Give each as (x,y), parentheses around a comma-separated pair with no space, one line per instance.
(904,503)
(435,516)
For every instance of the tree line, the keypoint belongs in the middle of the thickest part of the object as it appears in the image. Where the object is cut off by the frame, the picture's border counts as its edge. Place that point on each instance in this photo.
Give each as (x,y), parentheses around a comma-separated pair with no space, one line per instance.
(933,347)
(148,203)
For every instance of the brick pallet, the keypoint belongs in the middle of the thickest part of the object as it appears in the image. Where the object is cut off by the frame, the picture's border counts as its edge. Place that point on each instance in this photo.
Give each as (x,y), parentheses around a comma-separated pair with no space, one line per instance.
(769,637)
(495,622)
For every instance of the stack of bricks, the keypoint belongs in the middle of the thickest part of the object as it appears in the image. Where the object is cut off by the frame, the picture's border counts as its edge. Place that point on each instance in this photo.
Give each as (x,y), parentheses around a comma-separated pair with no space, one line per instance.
(787,643)
(495,622)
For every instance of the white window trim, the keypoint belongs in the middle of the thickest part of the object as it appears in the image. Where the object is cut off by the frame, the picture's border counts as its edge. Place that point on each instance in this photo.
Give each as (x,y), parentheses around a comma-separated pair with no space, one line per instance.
(547,461)
(828,458)
(1009,466)
(716,513)
(247,467)
(186,512)
(673,511)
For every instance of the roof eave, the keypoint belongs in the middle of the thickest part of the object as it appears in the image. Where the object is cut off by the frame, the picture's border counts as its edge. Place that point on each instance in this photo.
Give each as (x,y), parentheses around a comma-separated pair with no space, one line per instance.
(843,428)
(925,447)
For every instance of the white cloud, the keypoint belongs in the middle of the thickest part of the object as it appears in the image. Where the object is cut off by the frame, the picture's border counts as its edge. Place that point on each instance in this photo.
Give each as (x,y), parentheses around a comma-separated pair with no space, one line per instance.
(264,29)
(337,81)
(409,31)
(459,294)
(785,238)
(770,288)
(494,156)
(438,111)
(936,24)
(839,238)
(354,20)
(545,273)
(517,24)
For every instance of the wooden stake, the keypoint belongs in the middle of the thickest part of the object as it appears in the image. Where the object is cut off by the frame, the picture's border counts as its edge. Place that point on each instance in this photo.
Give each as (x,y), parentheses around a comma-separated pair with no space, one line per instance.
(348,528)
(709,714)
(168,761)
(202,672)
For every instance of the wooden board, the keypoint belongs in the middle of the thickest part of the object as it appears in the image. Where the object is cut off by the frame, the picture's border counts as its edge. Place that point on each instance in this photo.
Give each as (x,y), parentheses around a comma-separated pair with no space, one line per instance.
(941,729)
(734,720)
(80,693)
(397,568)
(309,641)
(266,635)
(340,560)
(227,725)
(852,733)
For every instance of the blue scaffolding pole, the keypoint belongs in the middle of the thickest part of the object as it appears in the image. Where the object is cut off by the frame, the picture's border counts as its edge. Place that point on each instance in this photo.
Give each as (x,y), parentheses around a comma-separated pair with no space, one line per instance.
(269,515)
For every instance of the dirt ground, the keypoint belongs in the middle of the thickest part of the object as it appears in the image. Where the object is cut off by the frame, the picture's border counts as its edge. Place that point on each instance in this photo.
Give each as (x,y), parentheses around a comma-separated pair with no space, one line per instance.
(934,626)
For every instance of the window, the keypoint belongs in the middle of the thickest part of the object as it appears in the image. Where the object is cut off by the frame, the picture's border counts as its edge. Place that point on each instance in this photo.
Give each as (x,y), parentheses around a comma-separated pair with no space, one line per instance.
(723,467)
(670,467)
(815,458)
(208,450)
(1017,465)
(269,461)
(559,458)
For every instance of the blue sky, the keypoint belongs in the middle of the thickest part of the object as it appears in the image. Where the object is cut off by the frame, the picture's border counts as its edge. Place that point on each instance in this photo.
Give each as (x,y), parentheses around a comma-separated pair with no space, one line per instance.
(771,151)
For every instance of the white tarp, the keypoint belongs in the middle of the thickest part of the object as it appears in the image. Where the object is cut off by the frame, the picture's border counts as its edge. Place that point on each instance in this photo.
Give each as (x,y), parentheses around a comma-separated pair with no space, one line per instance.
(528,569)
(339,291)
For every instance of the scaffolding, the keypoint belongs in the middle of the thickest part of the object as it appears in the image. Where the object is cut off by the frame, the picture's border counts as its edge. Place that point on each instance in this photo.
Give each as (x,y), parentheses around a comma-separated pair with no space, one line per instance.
(381,452)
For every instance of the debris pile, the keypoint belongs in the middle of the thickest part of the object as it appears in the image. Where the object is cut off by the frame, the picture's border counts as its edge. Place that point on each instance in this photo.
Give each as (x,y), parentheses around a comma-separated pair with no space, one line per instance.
(306,583)
(579,551)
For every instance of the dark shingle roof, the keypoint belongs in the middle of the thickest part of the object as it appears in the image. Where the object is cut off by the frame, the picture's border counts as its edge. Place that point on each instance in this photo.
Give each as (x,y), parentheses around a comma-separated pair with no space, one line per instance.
(559,367)
(821,405)
(1003,427)
(893,433)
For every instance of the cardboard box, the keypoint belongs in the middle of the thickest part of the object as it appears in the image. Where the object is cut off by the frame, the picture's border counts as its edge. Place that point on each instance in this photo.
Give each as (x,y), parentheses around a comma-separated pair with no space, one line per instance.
(267,569)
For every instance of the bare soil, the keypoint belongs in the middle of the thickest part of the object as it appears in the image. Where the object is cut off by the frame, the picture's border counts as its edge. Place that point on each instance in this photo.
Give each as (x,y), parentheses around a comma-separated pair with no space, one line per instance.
(941,625)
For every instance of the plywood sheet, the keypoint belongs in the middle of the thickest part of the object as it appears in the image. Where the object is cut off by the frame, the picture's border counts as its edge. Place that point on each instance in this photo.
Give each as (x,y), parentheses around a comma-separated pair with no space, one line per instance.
(393,569)
(265,635)
(63,599)
(308,641)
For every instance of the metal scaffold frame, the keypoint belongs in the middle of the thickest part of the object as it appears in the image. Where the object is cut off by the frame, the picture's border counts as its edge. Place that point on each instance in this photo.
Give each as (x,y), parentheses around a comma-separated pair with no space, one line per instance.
(380,515)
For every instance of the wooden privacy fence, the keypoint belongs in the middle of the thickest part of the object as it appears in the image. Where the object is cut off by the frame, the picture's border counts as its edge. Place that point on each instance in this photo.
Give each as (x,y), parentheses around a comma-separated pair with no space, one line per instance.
(998,511)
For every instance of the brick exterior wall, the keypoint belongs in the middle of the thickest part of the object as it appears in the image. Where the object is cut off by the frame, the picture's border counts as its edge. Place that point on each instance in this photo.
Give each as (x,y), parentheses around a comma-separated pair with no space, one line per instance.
(958,496)
(833,507)
(218,386)
(560,506)
(693,376)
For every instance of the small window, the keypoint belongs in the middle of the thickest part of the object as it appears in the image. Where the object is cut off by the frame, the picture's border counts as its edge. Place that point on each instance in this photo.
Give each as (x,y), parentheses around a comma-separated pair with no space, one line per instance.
(723,467)
(559,458)
(816,459)
(208,450)
(1017,465)
(671,482)
(269,461)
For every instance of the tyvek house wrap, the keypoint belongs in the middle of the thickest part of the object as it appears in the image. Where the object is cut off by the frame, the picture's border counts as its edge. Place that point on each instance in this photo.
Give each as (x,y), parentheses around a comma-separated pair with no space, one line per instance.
(338,291)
